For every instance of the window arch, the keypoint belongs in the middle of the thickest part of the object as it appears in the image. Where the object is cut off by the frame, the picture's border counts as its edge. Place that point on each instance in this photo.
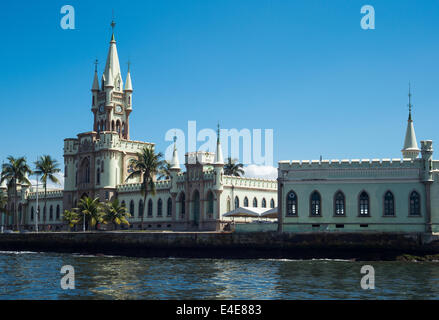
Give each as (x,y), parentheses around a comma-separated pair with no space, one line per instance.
(389,204)
(210,202)
(229,206)
(32,213)
(169,208)
(245,202)
(264,203)
(57,212)
(316,204)
(272,203)
(182,205)
(51,213)
(159,208)
(339,204)
(132,208)
(363,204)
(255,202)
(140,213)
(150,208)
(291,204)
(415,204)
(236,202)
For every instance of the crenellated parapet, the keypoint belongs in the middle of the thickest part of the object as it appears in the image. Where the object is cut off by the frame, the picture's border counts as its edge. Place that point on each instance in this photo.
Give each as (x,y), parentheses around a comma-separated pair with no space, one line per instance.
(51,194)
(136,187)
(230,181)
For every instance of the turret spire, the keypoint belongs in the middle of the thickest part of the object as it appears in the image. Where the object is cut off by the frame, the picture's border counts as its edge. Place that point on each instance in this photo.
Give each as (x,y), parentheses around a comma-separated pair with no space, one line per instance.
(112,74)
(95,86)
(410,149)
(128,85)
(219,152)
(175,164)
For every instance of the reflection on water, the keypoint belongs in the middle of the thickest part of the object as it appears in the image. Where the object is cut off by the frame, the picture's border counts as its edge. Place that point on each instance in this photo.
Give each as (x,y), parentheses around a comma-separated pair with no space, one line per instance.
(27,275)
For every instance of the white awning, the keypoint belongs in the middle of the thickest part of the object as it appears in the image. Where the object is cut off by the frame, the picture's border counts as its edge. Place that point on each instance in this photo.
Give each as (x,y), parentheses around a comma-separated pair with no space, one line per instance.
(245,212)
(272,213)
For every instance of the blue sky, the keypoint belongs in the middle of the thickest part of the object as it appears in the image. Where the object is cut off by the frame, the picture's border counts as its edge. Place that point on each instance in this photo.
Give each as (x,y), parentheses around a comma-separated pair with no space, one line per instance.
(305,69)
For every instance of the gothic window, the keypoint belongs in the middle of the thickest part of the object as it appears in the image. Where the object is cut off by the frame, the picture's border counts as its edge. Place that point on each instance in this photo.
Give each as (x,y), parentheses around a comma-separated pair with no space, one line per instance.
(32,213)
(245,202)
(122,204)
(123,129)
(169,208)
(98,176)
(51,213)
(228,205)
(272,203)
(150,208)
(364,204)
(210,202)
(65,172)
(102,166)
(140,213)
(415,204)
(182,205)
(132,208)
(57,212)
(236,202)
(339,204)
(264,203)
(291,204)
(44,213)
(316,204)
(255,203)
(389,204)
(159,208)
(118,126)
(112,125)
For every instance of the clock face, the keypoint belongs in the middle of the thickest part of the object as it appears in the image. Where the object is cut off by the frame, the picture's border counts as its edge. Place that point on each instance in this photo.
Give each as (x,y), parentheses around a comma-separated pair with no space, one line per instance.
(101,108)
(118,108)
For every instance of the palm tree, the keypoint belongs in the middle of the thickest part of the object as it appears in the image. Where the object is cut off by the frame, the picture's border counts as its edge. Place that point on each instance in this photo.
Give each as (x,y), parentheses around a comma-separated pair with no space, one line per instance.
(165,170)
(71,217)
(116,213)
(233,168)
(46,167)
(146,166)
(92,211)
(15,172)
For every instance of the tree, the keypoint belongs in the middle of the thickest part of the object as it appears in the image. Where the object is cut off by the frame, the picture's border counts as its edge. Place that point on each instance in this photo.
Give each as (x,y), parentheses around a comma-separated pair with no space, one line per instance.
(47,168)
(165,170)
(146,167)
(233,168)
(91,211)
(15,172)
(116,213)
(71,217)
(3,204)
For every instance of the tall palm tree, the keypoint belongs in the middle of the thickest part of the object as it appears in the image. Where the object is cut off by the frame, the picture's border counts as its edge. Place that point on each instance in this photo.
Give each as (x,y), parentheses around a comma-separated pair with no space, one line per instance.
(233,168)
(116,213)
(71,217)
(146,166)
(3,204)
(92,211)
(15,172)
(47,168)
(165,170)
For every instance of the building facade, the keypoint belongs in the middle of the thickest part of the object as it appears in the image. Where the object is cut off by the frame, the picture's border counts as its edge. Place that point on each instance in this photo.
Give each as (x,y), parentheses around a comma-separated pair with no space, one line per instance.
(97,165)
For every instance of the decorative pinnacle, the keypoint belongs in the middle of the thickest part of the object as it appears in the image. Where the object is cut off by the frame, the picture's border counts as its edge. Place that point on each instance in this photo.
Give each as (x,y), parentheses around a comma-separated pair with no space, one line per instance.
(175,137)
(112,24)
(410,103)
(96,65)
(129,64)
(218,133)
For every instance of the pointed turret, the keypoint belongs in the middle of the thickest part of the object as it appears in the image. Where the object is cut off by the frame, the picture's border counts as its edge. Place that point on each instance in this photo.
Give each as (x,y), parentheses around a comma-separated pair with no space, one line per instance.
(219,152)
(128,85)
(112,67)
(95,86)
(175,163)
(410,149)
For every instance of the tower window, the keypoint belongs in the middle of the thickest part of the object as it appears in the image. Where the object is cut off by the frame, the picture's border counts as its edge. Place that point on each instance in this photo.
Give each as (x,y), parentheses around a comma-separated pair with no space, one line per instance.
(364,204)
(291,204)
(415,204)
(316,204)
(389,204)
(339,204)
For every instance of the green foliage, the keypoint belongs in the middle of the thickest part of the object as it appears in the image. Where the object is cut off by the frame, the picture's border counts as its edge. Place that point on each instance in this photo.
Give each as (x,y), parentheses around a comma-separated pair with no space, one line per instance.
(71,217)
(116,213)
(233,168)
(91,209)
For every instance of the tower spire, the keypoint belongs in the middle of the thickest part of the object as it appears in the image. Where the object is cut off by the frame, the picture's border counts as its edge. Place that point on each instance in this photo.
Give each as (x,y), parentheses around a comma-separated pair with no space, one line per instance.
(219,152)
(175,164)
(410,149)
(95,86)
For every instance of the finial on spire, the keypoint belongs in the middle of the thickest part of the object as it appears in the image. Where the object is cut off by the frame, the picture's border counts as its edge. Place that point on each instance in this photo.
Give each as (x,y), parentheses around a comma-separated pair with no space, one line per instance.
(96,65)
(175,137)
(218,133)
(129,64)
(410,102)
(112,24)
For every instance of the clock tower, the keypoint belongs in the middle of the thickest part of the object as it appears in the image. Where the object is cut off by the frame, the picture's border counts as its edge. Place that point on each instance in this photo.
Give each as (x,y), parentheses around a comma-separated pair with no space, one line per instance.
(111,102)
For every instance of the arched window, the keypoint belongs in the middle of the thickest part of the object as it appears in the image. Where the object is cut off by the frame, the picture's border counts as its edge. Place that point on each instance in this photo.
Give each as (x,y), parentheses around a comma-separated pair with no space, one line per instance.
(98,176)
(291,204)
(44,213)
(169,208)
(272,203)
(229,205)
(264,203)
(39,213)
(210,202)
(112,126)
(32,213)
(102,166)
(140,213)
(316,204)
(118,126)
(57,212)
(150,208)
(236,202)
(389,204)
(339,204)
(159,208)
(51,213)
(123,129)
(255,202)
(415,204)
(182,205)
(245,202)
(364,204)
(132,208)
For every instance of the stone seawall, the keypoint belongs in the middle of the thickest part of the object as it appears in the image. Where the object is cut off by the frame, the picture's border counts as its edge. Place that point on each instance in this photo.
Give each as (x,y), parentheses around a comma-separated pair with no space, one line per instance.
(359,246)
